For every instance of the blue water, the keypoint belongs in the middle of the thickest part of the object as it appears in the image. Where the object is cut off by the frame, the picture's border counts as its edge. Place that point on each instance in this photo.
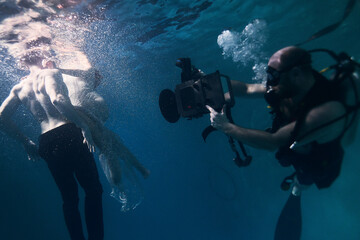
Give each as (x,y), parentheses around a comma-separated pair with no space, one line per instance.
(194,191)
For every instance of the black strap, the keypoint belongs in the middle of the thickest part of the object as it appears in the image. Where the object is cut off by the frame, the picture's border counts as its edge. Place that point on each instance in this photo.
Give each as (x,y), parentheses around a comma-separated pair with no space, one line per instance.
(207,131)
(332,27)
(238,160)
(352,109)
(346,73)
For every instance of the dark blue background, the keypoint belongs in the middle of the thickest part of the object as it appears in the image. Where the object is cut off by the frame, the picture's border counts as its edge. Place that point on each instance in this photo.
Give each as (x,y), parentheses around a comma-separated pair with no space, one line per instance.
(194,191)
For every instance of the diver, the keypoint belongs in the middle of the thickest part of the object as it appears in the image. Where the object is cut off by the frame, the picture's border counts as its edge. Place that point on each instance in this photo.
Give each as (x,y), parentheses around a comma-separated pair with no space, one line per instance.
(91,106)
(314,118)
(66,143)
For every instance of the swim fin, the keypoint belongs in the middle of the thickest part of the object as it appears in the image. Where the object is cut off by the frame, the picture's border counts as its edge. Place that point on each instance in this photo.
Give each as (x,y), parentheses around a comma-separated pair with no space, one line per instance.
(289,223)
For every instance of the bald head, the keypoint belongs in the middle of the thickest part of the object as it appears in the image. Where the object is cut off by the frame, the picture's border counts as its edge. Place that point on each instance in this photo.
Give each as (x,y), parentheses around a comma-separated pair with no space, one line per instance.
(295,76)
(289,57)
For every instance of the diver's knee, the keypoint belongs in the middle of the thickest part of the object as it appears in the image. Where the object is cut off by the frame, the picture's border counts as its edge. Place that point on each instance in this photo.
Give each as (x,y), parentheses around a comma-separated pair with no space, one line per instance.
(71,203)
(95,191)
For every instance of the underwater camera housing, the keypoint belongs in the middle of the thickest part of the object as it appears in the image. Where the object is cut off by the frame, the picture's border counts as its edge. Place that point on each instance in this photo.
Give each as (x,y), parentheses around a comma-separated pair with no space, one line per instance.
(193,94)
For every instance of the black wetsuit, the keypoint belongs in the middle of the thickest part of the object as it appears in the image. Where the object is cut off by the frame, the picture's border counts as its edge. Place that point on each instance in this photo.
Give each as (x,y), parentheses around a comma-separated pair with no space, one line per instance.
(321,164)
(69,159)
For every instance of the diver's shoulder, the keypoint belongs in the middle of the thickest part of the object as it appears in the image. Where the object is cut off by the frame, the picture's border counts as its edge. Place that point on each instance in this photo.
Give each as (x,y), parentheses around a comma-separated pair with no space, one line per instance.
(24,82)
(50,71)
(21,87)
(326,111)
(43,73)
(15,90)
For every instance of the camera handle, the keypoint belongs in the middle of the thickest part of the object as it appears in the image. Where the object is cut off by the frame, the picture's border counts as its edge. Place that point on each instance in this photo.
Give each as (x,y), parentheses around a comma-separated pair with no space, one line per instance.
(231,93)
(238,160)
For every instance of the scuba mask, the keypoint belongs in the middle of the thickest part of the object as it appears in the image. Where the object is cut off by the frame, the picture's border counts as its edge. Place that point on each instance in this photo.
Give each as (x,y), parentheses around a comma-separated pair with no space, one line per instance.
(272,76)
(272,97)
(272,79)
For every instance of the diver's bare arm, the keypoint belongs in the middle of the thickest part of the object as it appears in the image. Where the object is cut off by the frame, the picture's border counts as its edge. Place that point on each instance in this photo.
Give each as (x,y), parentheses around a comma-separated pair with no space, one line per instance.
(323,124)
(309,132)
(7,109)
(248,89)
(57,92)
(87,75)
(258,138)
(241,89)
(74,72)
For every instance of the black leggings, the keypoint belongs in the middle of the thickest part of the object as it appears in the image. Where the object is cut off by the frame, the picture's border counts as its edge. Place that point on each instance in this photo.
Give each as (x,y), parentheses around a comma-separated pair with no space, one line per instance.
(69,159)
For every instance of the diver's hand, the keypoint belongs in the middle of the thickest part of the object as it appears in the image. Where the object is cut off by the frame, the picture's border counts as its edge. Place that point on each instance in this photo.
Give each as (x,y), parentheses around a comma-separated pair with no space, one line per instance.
(88,140)
(218,119)
(32,151)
